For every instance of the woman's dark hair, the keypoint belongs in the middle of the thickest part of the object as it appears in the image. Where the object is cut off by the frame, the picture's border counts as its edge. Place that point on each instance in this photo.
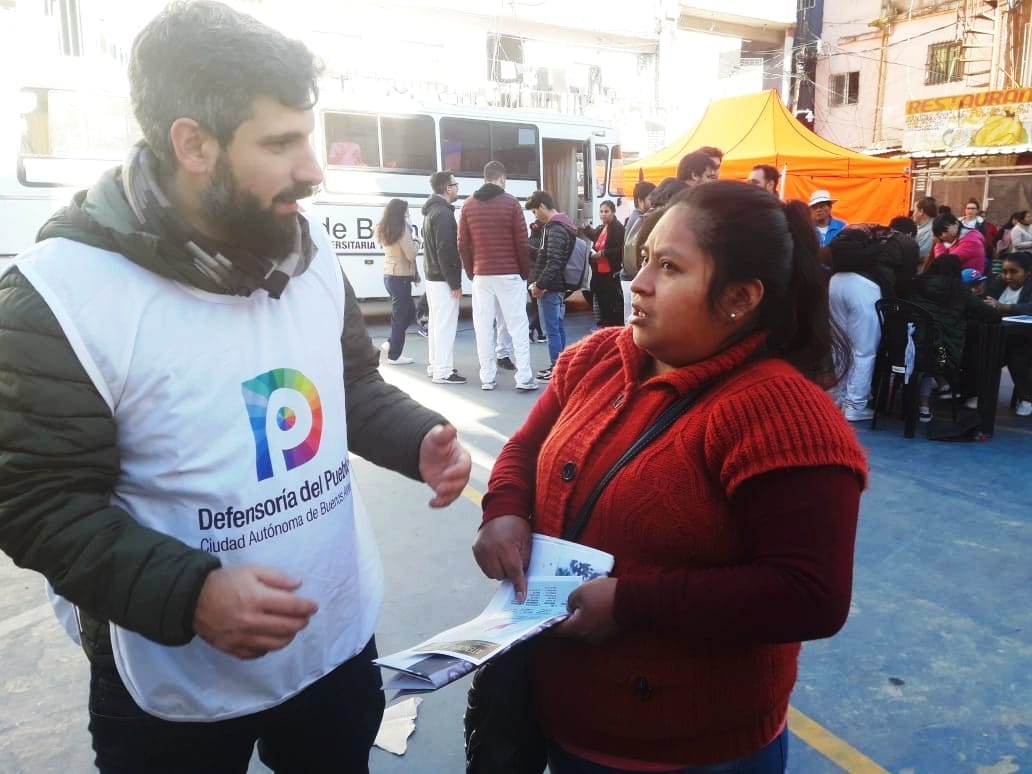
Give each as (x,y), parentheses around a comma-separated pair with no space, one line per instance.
(949,267)
(608,203)
(392,225)
(1017,216)
(943,222)
(205,61)
(794,311)
(1023,259)
(904,225)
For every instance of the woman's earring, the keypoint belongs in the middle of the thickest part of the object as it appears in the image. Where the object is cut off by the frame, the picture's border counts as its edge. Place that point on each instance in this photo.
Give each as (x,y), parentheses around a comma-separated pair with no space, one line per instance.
(733,315)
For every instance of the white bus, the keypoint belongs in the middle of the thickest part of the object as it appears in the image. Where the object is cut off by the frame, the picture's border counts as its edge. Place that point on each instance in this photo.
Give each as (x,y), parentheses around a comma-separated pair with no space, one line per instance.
(67,130)
(371,156)
(59,129)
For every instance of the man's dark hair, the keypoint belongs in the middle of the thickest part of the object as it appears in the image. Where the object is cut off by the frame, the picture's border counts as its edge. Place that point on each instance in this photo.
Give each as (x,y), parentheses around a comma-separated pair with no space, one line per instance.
(205,61)
(439,180)
(713,153)
(945,209)
(903,225)
(694,165)
(928,206)
(642,189)
(494,170)
(770,174)
(666,190)
(539,198)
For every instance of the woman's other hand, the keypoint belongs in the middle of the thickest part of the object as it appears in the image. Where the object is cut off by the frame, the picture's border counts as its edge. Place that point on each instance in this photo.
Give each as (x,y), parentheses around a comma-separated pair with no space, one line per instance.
(502,549)
(591,612)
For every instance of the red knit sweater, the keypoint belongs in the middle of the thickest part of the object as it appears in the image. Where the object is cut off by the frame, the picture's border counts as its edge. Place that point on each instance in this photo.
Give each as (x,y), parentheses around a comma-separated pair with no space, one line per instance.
(666,688)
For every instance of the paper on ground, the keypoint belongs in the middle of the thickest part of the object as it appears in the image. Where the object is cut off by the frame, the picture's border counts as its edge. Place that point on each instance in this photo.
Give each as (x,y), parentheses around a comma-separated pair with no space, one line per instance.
(399,721)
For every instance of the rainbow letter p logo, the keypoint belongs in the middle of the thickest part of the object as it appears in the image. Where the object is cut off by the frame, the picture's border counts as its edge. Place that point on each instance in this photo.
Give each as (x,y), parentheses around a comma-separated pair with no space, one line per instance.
(257,393)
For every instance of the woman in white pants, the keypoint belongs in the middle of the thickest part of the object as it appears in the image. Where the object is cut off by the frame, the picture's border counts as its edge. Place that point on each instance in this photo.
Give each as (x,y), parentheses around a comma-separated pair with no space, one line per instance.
(853,298)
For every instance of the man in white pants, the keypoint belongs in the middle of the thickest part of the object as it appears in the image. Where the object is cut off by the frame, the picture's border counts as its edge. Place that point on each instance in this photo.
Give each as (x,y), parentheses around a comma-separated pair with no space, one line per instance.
(493,249)
(443,271)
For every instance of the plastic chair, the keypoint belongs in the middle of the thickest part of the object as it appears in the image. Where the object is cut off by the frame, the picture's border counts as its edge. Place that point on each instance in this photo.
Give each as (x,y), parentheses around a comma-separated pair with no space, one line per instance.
(896,317)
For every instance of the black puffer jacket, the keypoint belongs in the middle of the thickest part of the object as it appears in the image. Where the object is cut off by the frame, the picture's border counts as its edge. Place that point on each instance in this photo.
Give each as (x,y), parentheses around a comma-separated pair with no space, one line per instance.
(60,459)
(887,258)
(440,242)
(556,247)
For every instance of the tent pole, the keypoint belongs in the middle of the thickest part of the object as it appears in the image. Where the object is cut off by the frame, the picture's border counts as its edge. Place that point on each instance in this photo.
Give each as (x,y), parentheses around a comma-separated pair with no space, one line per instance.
(781,185)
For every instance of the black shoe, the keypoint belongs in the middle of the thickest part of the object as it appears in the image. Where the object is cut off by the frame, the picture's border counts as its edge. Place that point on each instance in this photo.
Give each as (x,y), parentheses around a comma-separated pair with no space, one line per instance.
(545,374)
(452,378)
(538,338)
(506,363)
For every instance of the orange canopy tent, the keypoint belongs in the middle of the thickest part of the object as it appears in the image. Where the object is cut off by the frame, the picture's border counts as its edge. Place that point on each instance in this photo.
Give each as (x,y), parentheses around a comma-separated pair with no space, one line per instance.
(758,129)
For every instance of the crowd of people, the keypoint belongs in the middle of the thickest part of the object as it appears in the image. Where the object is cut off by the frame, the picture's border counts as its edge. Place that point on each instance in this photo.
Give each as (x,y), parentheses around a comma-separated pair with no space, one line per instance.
(960,270)
(187,371)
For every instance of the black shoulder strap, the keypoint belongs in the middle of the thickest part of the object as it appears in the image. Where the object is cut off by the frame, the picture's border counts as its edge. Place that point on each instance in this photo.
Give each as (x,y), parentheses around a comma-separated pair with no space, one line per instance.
(653,431)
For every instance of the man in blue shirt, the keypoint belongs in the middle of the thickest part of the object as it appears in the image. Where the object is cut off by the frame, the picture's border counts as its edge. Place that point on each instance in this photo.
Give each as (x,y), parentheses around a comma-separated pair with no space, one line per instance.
(827,226)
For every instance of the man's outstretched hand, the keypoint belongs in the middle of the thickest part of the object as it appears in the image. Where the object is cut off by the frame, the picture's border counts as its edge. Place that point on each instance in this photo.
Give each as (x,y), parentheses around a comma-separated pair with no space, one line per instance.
(444,464)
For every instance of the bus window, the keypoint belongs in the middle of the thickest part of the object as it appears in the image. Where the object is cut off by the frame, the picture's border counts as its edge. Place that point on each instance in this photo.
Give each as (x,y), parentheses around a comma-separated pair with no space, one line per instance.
(601,162)
(465,145)
(408,143)
(616,172)
(70,124)
(516,146)
(352,140)
(70,137)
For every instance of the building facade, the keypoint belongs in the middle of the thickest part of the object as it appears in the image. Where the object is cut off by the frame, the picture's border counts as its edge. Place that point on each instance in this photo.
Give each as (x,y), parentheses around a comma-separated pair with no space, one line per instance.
(946,82)
(650,67)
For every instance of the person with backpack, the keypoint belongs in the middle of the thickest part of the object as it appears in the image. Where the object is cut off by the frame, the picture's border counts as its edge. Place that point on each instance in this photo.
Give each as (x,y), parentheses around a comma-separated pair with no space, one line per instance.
(548,286)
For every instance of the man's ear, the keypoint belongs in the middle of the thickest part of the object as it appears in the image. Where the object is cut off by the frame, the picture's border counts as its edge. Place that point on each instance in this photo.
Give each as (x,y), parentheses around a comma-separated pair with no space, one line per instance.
(195,148)
(741,299)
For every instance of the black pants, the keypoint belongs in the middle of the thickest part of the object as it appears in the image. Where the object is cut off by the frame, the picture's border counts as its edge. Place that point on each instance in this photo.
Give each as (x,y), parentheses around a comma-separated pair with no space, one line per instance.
(328,727)
(1018,358)
(608,301)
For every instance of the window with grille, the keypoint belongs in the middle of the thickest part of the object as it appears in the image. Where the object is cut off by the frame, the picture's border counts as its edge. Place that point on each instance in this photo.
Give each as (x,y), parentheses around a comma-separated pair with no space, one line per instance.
(944,64)
(845,88)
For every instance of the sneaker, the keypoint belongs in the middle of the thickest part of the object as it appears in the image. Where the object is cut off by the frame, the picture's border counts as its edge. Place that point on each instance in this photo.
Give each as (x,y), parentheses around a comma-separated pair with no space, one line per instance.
(944,392)
(386,346)
(1024,408)
(924,414)
(423,331)
(488,386)
(401,360)
(506,363)
(858,415)
(452,378)
(429,372)
(971,403)
(538,338)
(544,374)
(528,387)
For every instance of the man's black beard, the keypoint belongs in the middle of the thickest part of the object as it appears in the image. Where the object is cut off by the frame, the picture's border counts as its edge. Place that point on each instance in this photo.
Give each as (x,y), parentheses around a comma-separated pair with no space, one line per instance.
(256,229)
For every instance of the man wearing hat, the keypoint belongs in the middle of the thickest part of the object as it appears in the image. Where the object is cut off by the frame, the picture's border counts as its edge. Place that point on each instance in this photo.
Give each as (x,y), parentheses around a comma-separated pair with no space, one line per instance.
(827,226)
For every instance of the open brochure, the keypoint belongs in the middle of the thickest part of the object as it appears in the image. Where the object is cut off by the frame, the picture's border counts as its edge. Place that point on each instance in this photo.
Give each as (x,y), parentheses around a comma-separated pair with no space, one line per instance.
(556,568)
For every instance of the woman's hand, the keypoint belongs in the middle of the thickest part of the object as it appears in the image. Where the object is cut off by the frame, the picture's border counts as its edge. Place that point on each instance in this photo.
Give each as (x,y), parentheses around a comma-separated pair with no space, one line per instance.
(502,549)
(591,612)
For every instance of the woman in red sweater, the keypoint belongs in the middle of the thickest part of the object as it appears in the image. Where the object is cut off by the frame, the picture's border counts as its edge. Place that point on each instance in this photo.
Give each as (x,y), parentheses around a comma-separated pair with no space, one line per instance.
(733,532)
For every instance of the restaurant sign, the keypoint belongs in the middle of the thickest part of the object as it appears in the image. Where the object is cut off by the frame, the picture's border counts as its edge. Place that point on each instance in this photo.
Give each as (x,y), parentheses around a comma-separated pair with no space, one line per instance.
(984,119)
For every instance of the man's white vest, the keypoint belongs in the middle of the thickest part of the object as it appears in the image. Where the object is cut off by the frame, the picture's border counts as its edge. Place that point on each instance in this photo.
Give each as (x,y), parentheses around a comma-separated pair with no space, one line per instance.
(233,439)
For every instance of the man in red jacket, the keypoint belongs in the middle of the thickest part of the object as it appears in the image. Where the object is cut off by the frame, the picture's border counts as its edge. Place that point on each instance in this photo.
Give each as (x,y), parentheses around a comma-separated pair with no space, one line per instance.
(493,249)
